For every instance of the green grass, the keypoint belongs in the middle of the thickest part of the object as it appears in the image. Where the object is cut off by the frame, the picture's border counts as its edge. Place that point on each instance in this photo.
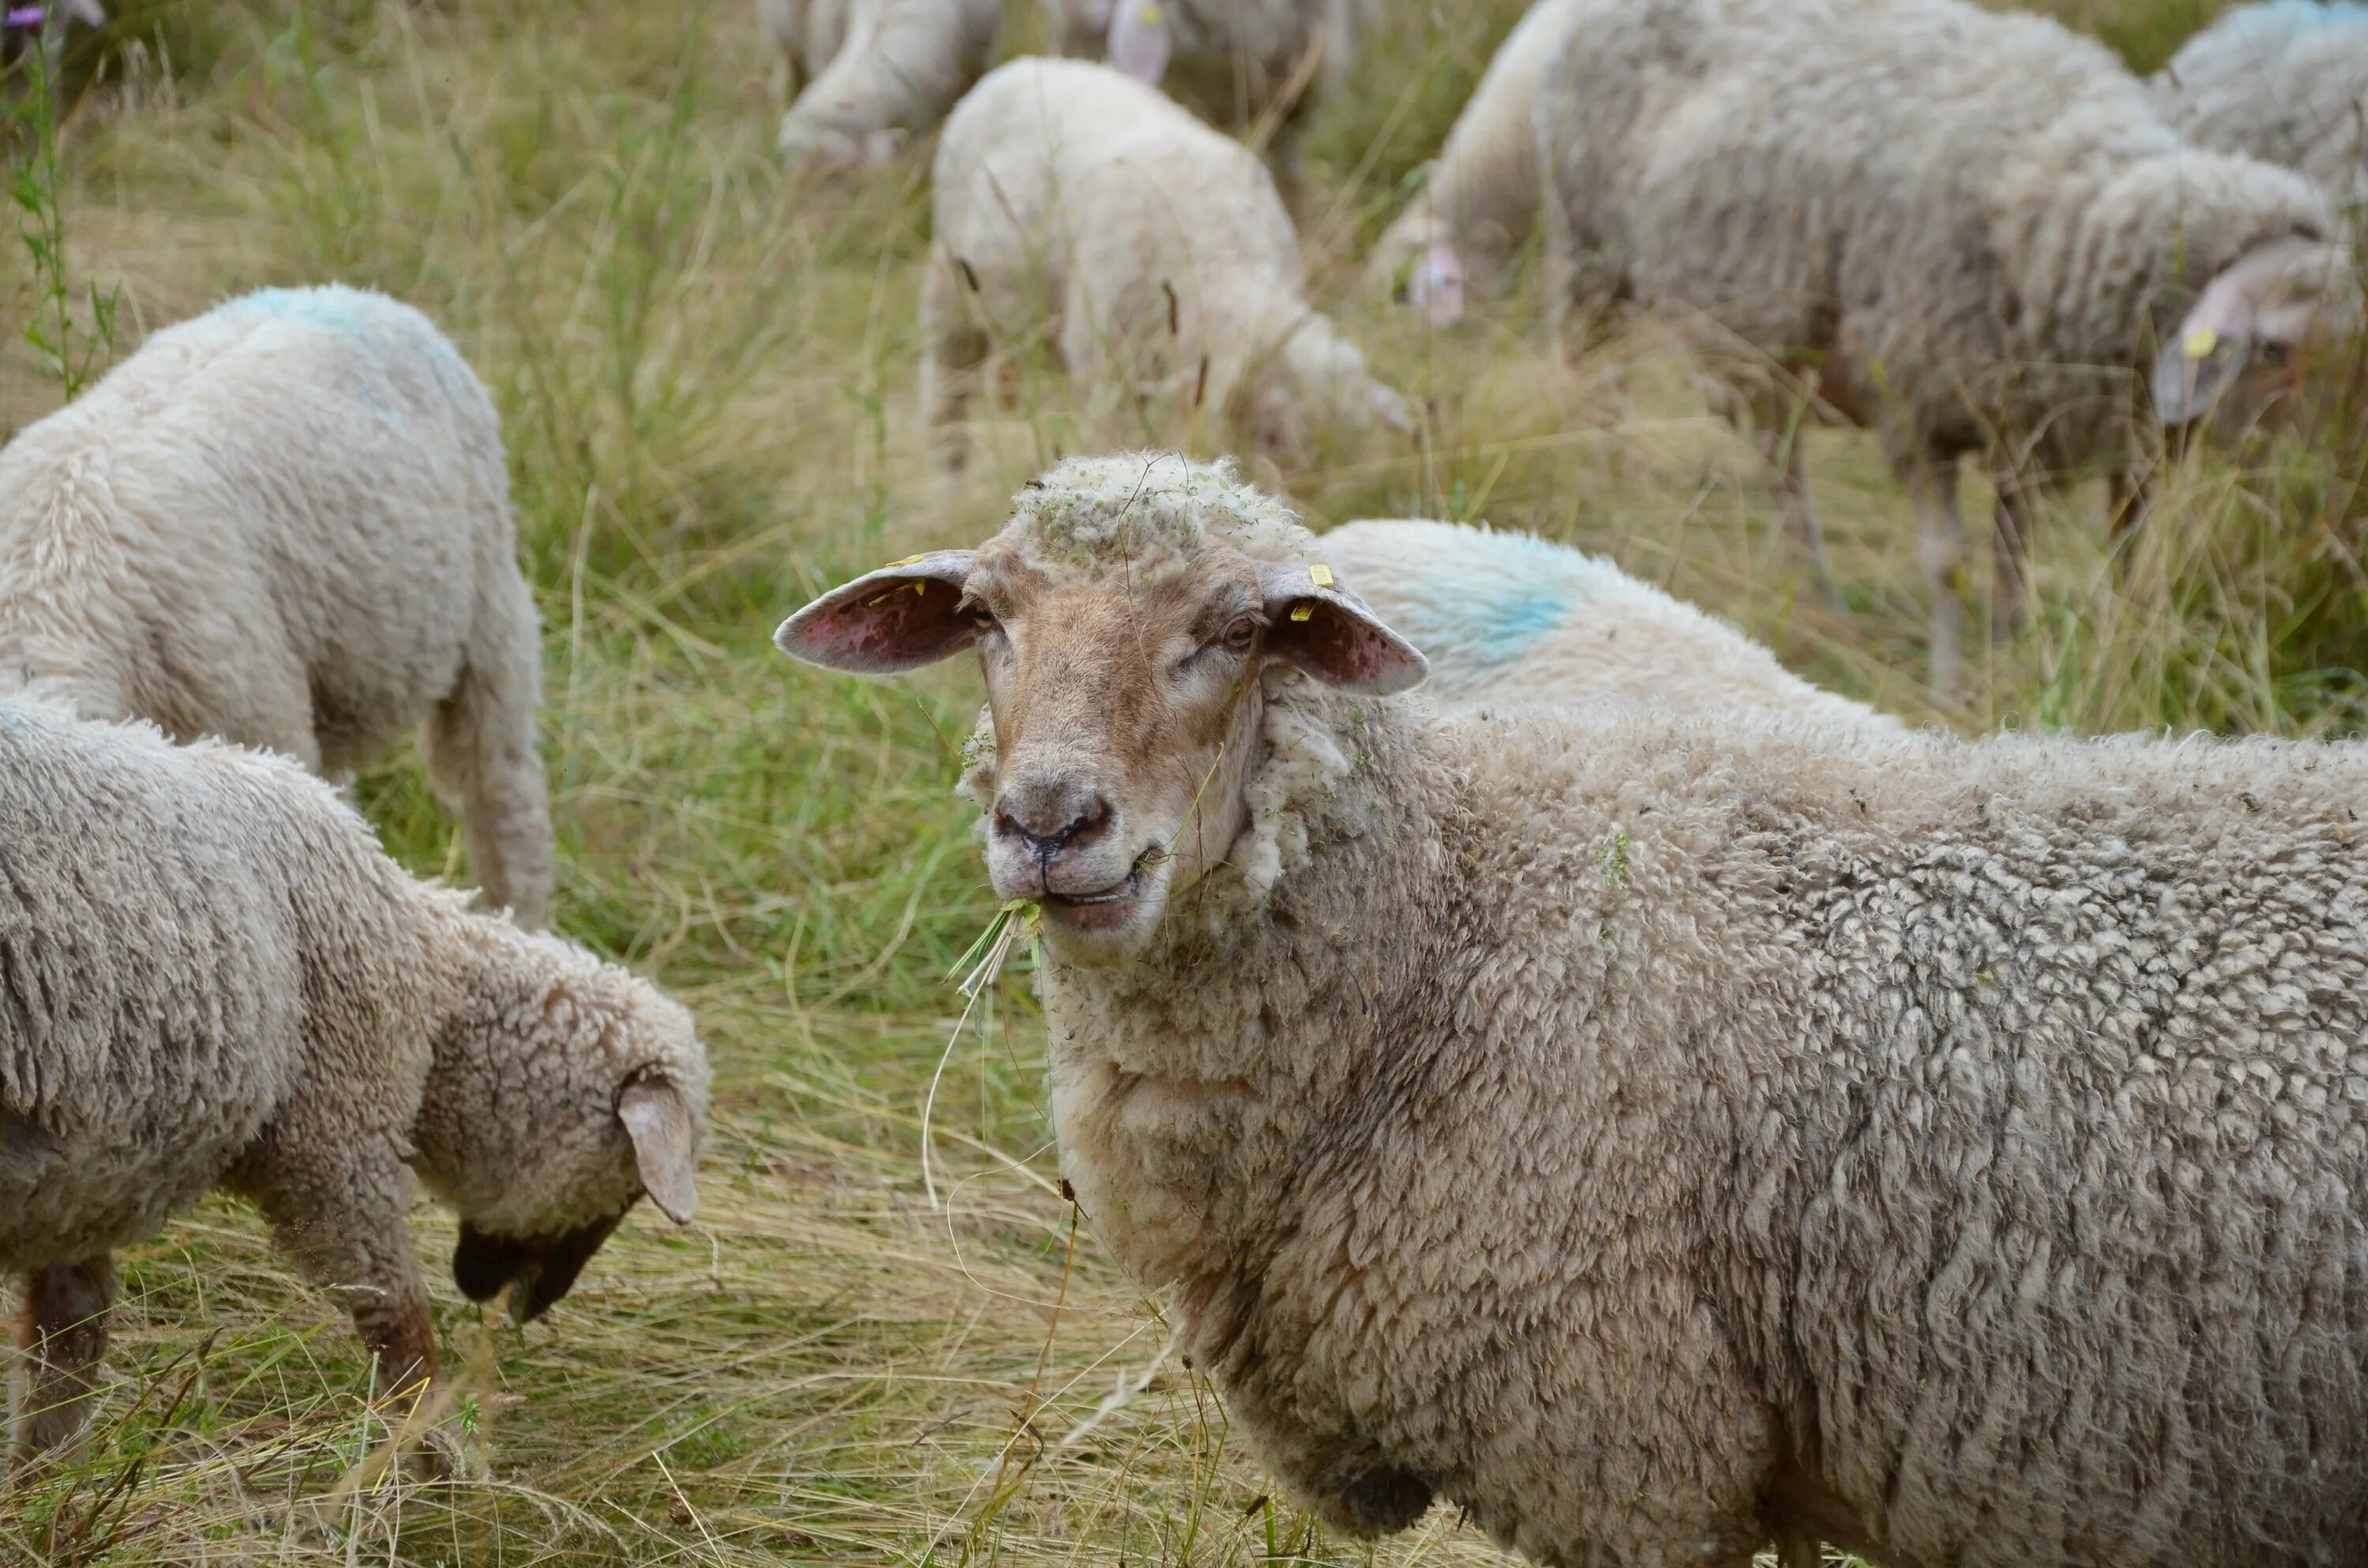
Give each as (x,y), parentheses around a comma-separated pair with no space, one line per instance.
(706,377)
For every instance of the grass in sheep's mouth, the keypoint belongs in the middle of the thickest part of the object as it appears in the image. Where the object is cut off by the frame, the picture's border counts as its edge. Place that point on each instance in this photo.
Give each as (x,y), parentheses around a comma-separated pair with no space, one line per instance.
(829,1368)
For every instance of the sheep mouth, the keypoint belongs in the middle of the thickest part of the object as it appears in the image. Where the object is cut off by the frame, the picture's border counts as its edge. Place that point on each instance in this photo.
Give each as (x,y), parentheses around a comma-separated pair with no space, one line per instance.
(1098,911)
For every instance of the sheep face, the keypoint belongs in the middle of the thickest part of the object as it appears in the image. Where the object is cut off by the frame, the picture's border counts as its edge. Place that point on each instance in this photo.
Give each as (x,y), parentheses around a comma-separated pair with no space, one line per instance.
(1124,689)
(2244,347)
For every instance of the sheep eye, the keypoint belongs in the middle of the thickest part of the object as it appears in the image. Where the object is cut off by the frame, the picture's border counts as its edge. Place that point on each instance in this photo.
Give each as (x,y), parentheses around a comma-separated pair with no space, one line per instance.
(983,617)
(1241,634)
(2270,355)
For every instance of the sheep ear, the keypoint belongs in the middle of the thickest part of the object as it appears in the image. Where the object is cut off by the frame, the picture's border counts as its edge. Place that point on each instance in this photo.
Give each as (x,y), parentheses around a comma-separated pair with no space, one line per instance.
(896,618)
(1141,40)
(2204,357)
(1435,285)
(657,1118)
(1328,632)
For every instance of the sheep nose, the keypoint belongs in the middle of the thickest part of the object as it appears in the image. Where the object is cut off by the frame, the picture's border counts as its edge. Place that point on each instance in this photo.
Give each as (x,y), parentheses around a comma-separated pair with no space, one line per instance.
(1049,818)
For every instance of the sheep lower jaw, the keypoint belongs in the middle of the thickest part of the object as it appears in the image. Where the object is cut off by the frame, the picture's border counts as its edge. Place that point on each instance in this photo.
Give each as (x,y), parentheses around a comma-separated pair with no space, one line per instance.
(1096,928)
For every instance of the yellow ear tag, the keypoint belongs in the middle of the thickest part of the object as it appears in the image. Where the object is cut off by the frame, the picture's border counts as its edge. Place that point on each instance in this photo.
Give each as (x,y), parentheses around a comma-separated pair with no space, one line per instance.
(2200,343)
(1150,15)
(1303,612)
(1320,574)
(920,587)
(908,561)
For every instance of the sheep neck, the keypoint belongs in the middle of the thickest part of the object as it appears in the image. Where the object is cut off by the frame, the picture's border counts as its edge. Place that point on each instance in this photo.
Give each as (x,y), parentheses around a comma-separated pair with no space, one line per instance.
(1196,1086)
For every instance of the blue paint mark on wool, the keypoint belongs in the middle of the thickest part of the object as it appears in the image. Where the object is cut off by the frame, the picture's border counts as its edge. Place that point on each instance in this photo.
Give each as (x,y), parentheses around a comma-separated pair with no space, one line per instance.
(1486,606)
(2281,17)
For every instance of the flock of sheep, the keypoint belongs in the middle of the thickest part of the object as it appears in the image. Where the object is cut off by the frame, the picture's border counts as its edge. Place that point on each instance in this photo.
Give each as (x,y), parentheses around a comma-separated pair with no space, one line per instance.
(1977,234)
(1559,1060)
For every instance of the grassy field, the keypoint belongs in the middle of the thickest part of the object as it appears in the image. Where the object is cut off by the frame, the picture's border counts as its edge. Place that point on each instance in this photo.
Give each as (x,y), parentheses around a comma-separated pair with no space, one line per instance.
(706,376)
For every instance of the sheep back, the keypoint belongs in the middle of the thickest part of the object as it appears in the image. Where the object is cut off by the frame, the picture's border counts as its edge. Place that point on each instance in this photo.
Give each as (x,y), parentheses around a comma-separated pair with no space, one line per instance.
(276,522)
(2286,81)
(188,937)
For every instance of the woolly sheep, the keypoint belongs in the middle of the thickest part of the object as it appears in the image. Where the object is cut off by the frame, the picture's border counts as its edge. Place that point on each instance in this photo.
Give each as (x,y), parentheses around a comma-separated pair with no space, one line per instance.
(1965,230)
(217,979)
(1479,197)
(1160,245)
(1506,619)
(2285,81)
(287,522)
(1234,62)
(1656,1135)
(870,74)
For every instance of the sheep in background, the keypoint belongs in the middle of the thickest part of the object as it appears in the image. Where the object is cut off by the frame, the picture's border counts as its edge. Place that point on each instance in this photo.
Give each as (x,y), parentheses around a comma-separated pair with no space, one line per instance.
(1234,62)
(1160,246)
(287,522)
(1968,230)
(1658,1136)
(870,75)
(1478,202)
(2286,81)
(217,979)
(1507,619)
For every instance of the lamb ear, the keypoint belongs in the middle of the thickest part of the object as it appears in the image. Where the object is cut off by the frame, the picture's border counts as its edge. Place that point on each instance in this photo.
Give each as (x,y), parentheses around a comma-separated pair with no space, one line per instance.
(2273,293)
(1328,632)
(1141,39)
(1435,285)
(657,1118)
(2208,352)
(896,618)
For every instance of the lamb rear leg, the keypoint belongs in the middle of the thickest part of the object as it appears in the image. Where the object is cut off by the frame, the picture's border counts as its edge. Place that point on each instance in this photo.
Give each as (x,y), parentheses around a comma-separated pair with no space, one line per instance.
(1933,485)
(952,349)
(483,761)
(61,1339)
(1785,446)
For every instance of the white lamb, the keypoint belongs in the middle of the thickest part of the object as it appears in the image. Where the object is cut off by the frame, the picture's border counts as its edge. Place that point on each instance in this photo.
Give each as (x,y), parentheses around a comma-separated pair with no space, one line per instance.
(1479,197)
(215,977)
(1658,1136)
(1967,230)
(1507,619)
(2287,81)
(870,75)
(287,522)
(1160,247)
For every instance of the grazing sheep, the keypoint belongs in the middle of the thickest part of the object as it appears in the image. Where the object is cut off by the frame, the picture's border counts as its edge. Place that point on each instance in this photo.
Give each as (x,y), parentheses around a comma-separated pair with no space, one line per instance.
(215,977)
(1508,619)
(1234,62)
(1479,197)
(1160,246)
(287,523)
(1658,1136)
(2286,81)
(869,74)
(1968,230)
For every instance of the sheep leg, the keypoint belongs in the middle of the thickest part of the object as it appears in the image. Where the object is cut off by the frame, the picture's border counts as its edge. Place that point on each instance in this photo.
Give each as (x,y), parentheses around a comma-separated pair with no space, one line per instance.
(1932,486)
(333,1194)
(61,1339)
(2010,548)
(1785,446)
(481,759)
(952,349)
(2127,491)
(1799,1549)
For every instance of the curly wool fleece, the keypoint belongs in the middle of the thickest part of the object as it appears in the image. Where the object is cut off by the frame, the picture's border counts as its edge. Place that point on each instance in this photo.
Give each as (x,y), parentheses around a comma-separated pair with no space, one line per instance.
(1652,1135)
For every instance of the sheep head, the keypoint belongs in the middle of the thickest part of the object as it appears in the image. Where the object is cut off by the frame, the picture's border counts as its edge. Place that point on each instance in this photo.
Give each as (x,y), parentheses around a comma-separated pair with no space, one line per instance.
(564,1090)
(2244,343)
(1124,620)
